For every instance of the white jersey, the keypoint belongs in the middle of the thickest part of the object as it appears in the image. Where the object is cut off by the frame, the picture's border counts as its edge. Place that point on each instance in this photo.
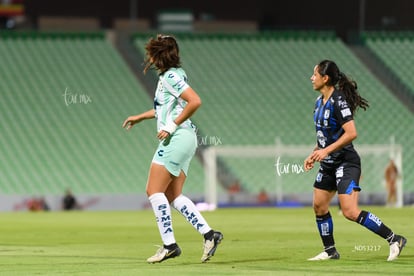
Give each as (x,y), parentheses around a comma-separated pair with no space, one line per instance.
(167,102)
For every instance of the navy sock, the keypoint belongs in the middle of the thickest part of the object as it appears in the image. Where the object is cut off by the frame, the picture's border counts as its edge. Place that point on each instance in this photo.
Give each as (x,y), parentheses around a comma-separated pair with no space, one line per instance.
(325,227)
(171,246)
(209,235)
(373,223)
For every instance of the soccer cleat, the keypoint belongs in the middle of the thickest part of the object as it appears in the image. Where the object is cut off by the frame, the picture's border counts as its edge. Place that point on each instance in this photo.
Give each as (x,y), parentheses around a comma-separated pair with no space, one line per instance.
(325,256)
(163,253)
(210,246)
(396,248)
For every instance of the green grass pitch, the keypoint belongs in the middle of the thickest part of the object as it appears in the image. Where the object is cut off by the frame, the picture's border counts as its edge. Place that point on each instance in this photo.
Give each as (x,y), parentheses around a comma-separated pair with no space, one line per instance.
(257,241)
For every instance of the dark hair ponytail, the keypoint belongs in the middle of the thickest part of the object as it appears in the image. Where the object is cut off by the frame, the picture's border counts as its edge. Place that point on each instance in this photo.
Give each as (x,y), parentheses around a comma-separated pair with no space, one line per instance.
(343,83)
(350,89)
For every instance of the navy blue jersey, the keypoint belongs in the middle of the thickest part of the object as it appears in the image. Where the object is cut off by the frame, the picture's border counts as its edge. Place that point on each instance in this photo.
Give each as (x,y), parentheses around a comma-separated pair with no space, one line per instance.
(328,119)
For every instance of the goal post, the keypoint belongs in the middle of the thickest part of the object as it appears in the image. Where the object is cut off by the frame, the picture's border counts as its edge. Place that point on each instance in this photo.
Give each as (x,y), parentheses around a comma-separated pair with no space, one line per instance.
(278,169)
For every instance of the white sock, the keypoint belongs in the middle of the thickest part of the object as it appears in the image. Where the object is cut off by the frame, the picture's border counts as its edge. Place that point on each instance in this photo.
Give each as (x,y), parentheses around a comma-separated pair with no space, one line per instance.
(187,208)
(162,211)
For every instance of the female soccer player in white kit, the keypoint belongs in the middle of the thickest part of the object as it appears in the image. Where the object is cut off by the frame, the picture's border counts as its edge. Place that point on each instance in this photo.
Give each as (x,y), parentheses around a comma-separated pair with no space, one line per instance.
(174,103)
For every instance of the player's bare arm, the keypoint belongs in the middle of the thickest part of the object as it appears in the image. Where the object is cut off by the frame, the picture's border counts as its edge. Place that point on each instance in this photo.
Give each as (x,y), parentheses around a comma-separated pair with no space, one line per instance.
(132,120)
(193,103)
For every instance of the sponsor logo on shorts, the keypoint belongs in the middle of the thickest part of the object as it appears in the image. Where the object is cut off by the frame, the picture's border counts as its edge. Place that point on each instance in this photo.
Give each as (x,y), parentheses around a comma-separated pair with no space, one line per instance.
(174,163)
(340,172)
(319,177)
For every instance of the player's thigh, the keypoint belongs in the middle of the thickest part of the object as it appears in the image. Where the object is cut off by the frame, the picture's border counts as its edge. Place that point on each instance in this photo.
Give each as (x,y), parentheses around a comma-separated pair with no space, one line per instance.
(159,179)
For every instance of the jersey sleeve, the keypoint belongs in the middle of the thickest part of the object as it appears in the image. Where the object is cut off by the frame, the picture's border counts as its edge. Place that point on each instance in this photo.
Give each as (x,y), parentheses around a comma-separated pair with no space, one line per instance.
(343,111)
(174,83)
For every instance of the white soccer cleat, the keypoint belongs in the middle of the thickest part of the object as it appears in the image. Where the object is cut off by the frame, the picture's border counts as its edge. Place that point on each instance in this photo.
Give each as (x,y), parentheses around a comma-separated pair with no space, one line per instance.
(210,246)
(163,253)
(324,256)
(396,248)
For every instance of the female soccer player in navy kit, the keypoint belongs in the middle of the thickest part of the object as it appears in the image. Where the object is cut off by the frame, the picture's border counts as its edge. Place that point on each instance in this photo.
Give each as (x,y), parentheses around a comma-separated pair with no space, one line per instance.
(340,166)
(174,103)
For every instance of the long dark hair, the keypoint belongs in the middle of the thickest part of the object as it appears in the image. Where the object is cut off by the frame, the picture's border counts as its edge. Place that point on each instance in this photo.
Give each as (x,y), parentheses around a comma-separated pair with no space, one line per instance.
(343,83)
(162,53)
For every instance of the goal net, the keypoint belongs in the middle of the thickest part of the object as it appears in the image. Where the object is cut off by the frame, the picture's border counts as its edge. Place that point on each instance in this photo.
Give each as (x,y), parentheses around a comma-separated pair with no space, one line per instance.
(238,174)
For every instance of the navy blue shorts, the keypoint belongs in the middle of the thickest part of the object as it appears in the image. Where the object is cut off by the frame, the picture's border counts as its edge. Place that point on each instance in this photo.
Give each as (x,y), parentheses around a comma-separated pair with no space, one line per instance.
(344,178)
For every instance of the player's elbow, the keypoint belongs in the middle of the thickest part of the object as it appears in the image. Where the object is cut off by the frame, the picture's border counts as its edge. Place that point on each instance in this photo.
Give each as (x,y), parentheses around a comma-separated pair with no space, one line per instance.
(197,102)
(353,135)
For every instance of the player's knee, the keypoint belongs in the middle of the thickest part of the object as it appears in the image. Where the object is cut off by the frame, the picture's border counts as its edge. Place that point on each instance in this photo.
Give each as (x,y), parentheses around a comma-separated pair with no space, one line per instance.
(320,209)
(150,191)
(350,214)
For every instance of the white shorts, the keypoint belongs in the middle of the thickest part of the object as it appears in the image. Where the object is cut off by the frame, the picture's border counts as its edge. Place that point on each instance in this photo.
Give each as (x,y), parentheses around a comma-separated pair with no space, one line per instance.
(175,152)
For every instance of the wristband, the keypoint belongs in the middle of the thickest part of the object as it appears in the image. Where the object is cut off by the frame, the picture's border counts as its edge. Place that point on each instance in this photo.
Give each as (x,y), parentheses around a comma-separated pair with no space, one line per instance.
(170,127)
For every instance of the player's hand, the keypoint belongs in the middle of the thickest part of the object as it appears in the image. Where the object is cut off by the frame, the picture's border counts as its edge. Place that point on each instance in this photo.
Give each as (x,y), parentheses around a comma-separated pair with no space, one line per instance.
(163,134)
(308,163)
(130,122)
(319,155)
(167,130)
